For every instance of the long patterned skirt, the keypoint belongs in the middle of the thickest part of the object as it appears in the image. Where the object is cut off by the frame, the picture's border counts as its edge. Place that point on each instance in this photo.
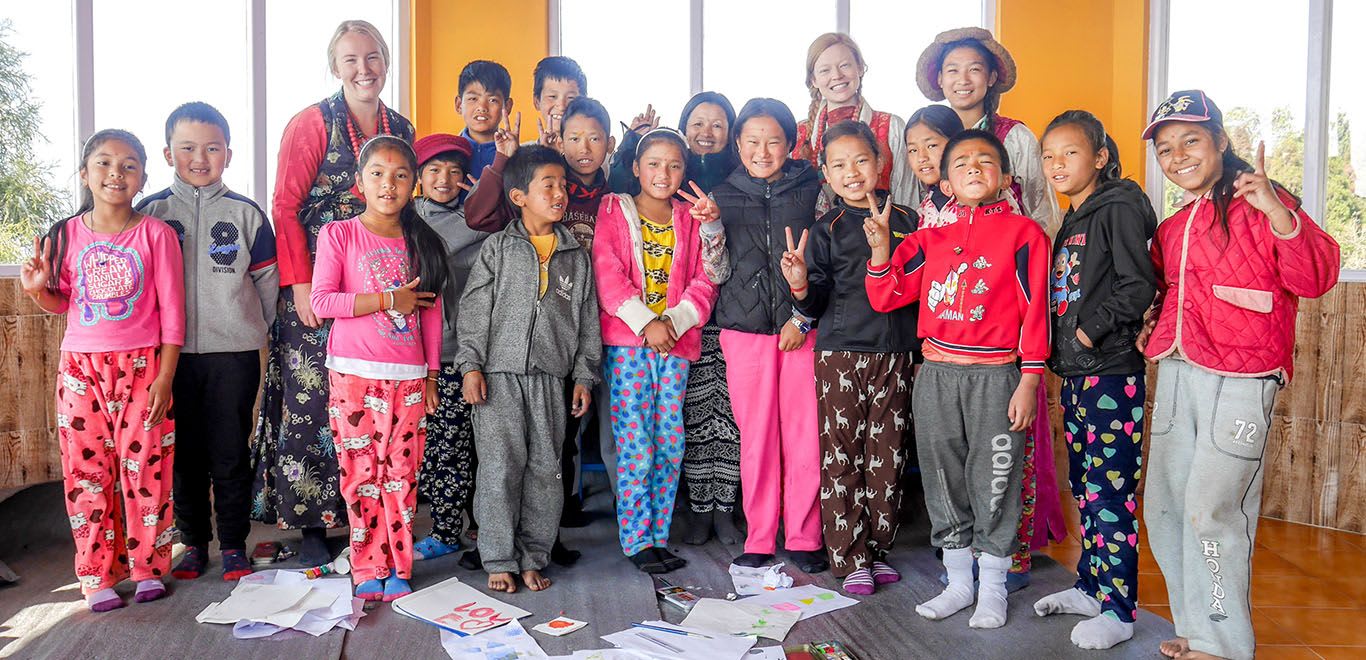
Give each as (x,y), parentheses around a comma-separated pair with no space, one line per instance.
(711,460)
(297,480)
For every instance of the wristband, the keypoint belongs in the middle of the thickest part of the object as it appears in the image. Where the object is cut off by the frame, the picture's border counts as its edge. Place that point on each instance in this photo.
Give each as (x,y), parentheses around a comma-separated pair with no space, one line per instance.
(803,288)
(391,300)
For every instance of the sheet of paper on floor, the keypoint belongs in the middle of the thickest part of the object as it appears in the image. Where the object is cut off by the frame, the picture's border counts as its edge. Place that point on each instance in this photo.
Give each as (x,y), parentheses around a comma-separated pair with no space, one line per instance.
(509,642)
(455,606)
(750,581)
(559,626)
(345,611)
(807,600)
(253,601)
(741,618)
(670,646)
(605,654)
(766,653)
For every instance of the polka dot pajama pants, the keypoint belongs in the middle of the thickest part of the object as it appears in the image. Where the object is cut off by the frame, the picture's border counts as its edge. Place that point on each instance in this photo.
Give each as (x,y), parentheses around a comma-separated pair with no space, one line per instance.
(646,390)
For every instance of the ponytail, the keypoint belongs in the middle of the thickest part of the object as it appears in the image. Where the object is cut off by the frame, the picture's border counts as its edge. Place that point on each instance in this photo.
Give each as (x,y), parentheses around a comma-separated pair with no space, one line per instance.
(1222,192)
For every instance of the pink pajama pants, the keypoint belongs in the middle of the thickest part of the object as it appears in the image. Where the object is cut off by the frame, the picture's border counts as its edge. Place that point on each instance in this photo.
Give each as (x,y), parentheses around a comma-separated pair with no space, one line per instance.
(379,428)
(773,393)
(116,468)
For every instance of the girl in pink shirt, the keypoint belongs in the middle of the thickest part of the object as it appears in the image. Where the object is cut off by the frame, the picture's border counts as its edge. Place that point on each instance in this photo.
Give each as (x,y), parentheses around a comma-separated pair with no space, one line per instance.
(377,275)
(117,275)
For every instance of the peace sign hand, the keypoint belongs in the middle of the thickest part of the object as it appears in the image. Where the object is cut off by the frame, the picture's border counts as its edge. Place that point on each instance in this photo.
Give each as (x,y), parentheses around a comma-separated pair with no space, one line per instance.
(645,121)
(703,207)
(505,138)
(878,229)
(468,184)
(793,263)
(1257,188)
(35,273)
(408,300)
(549,136)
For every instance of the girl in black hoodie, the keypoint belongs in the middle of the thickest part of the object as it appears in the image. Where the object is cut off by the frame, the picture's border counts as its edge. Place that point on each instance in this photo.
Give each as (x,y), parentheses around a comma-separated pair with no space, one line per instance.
(1101,284)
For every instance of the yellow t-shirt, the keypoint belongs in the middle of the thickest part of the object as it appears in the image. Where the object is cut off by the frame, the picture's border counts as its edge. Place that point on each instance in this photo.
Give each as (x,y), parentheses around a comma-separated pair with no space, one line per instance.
(545,246)
(657,246)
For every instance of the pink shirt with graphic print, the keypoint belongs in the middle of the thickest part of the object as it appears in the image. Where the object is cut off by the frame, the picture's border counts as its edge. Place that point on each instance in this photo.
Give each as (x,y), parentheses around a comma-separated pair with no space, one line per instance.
(124,290)
(385,344)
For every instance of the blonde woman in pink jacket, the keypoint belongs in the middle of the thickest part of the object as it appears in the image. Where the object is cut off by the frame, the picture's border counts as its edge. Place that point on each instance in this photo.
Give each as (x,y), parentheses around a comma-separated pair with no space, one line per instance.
(654,295)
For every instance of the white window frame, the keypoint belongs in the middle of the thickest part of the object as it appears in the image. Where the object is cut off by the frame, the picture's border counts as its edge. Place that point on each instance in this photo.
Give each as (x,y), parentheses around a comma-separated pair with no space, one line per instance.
(83,15)
(696,77)
(1317,119)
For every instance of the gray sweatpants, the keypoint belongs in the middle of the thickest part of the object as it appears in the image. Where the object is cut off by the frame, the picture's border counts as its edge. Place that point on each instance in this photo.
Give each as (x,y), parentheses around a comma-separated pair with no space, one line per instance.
(518,492)
(970,460)
(1203,497)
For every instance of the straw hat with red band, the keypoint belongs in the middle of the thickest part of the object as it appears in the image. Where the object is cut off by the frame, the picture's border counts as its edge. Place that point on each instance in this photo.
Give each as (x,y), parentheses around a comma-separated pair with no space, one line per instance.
(927,69)
(1190,105)
(431,146)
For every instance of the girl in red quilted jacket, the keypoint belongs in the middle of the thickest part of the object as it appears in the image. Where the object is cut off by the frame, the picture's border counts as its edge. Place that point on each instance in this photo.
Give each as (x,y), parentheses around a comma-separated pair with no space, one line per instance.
(1231,265)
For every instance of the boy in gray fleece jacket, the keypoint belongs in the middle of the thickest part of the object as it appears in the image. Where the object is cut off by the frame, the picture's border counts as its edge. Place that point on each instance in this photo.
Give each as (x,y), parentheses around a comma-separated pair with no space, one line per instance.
(231,285)
(528,321)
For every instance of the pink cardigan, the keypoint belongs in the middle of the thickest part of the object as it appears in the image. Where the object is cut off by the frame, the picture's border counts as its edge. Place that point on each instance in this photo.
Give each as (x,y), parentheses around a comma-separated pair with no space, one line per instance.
(619,271)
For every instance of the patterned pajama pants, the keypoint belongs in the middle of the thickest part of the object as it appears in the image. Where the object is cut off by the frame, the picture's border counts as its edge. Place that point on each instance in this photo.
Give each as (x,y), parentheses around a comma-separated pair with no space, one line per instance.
(447,477)
(116,468)
(646,391)
(865,406)
(1103,425)
(380,429)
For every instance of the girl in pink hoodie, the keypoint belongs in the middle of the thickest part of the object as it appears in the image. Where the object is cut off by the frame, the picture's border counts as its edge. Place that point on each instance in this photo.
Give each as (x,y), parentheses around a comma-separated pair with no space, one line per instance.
(653,297)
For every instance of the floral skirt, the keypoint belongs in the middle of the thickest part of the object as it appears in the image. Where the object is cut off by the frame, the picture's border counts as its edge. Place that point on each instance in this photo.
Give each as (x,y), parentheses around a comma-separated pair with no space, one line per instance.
(297,482)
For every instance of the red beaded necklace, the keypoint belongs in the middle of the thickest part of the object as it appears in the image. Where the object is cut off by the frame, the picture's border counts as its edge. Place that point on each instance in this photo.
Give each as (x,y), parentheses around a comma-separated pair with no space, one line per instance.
(381,128)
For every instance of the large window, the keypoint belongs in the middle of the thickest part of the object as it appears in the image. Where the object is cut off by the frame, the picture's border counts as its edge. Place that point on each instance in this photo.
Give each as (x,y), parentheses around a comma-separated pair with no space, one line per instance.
(139,98)
(1265,67)
(258,62)
(746,49)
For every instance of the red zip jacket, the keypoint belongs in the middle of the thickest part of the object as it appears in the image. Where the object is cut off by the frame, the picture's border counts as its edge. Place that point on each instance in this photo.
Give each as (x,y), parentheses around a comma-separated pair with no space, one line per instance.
(982,283)
(1228,302)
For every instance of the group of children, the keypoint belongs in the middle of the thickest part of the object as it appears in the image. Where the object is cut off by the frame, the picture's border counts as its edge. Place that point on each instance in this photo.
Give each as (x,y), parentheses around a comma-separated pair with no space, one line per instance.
(914,307)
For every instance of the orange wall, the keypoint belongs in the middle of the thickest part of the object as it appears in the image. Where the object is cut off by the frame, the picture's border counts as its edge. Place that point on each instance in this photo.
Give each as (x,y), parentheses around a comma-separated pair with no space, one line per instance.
(1102,68)
(446,34)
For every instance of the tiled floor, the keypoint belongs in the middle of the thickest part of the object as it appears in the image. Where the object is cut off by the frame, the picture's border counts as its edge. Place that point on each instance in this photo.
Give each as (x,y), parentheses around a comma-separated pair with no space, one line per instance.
(1308,589)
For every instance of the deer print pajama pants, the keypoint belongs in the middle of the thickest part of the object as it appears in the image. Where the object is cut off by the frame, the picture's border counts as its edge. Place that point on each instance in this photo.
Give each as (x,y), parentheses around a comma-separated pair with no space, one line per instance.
(116,468)
(379,427)
(864,401)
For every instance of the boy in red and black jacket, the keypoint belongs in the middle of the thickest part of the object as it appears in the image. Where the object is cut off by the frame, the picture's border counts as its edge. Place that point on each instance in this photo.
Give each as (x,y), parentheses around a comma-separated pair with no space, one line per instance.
(982,287)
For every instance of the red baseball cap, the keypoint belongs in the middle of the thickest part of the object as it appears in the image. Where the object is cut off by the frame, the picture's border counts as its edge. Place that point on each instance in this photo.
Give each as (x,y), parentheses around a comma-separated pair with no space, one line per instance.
(431,146)
(1187,105)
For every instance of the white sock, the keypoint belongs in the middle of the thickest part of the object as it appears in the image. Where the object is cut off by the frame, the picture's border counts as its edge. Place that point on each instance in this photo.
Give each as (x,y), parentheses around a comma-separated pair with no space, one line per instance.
(958,594)
(991,592)
(1101,632)
(1067,601)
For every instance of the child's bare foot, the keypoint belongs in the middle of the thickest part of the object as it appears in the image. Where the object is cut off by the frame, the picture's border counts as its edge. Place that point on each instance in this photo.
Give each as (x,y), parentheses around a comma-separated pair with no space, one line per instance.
(502,582)
(1175,648)
(535,581)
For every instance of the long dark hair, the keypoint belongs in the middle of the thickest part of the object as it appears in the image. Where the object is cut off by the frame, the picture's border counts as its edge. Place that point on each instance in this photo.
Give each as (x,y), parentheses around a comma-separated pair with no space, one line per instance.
(426,252)
(56,233)
(1095,134)
(992,102)
(850,128)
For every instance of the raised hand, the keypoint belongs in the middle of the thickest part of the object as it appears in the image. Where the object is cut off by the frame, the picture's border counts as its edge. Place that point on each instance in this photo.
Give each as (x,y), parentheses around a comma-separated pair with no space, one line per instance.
(878,228)
(468,184)
(793,263)
(505,139)
(1259,191)
(703,207)
(35,273)
(407,299)
(646,121)
(549,136)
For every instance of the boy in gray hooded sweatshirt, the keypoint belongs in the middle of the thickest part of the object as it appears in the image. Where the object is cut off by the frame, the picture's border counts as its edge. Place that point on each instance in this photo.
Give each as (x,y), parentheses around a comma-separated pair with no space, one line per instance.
(528,320)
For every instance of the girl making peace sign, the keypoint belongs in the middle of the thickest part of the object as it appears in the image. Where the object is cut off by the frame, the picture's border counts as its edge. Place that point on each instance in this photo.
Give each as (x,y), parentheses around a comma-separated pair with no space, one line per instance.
(863,361)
